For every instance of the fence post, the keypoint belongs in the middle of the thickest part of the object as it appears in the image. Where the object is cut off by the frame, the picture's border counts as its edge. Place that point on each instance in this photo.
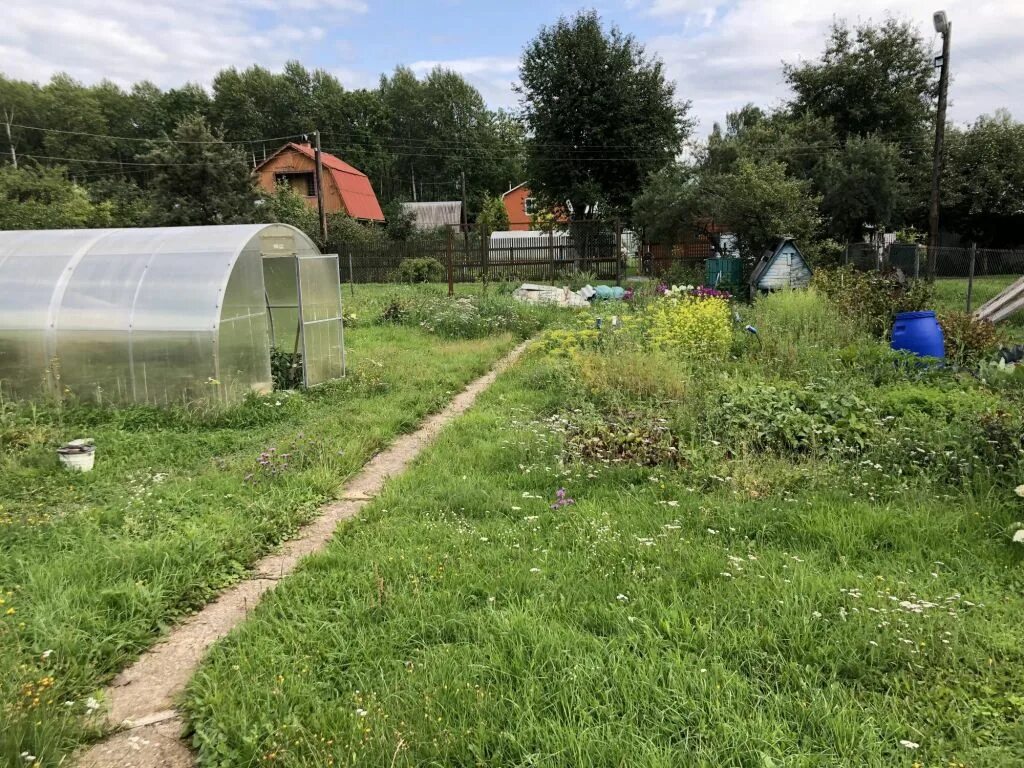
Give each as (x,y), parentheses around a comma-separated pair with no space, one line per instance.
(449,267)
(485,256)
(846,255)
(351,275)
(618,252)
(551,254)
(970,276)
(917,262)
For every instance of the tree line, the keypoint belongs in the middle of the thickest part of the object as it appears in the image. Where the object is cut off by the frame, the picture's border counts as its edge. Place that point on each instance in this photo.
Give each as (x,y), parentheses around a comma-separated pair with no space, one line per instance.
(413,136)
(848,155)
(600,134)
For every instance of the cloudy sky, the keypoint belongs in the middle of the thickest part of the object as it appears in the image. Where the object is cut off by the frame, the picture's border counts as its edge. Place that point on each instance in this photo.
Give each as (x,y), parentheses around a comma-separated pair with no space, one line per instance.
(721,53)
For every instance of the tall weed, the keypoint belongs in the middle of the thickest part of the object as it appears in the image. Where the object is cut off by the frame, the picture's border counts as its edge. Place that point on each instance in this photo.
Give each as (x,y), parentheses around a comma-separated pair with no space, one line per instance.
(799,326)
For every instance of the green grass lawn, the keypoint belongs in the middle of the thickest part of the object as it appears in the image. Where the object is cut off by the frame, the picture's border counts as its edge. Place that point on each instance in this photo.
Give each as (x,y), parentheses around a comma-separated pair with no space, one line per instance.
(94,567)
(951,294)
(753,594)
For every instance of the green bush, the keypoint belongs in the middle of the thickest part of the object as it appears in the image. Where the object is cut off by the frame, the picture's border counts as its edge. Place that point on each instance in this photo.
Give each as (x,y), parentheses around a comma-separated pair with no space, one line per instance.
(968,339)
(395,311)
(872,299)
(286,368)
(693,326)
(785,417)
(420,270)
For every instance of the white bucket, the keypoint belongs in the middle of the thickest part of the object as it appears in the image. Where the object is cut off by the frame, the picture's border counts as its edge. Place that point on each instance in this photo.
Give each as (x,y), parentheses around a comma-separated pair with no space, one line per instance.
(77,455)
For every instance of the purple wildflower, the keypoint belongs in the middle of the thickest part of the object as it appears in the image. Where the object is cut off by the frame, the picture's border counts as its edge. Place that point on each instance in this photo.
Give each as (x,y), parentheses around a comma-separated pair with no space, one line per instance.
(562,499)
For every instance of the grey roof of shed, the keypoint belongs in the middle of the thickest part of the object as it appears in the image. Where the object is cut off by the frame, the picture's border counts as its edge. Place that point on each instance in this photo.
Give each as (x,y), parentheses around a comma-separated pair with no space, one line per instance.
(447,213)
(769,256)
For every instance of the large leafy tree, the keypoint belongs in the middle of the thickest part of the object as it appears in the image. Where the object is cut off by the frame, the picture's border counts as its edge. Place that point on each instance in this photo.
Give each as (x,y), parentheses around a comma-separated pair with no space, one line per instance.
(983,189)
(600,115)
(33,197)
(439,128)
(871,79)
(861,184)
(198,178)
(756,202)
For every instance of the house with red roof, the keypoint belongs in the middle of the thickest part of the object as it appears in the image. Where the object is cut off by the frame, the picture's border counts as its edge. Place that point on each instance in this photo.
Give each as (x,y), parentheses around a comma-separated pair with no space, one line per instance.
(346,189)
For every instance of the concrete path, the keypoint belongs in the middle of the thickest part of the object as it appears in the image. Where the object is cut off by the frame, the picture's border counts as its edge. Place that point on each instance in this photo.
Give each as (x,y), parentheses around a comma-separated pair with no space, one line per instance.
(142,698)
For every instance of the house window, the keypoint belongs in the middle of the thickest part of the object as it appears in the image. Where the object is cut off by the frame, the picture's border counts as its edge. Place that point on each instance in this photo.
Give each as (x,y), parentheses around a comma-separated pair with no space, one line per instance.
(300,183)
(530,206)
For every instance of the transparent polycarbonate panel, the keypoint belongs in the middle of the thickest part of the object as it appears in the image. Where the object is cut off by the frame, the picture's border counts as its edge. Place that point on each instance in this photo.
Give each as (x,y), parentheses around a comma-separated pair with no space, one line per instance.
(320,307)
(33,270)
(244,340)
(283,301)
(174,367)
(174,327)
(93,322)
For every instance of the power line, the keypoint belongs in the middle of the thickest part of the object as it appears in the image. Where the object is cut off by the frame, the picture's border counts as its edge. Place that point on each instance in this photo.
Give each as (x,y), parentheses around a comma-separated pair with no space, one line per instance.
(225,163)
(381,144)
(157,139)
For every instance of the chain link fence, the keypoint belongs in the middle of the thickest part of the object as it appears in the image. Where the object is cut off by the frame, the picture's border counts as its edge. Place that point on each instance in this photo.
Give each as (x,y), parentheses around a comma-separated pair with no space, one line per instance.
(965,276)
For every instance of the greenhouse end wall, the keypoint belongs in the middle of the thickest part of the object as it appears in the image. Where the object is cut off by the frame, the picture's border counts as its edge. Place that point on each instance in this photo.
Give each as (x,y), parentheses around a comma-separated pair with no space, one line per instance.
(160,316)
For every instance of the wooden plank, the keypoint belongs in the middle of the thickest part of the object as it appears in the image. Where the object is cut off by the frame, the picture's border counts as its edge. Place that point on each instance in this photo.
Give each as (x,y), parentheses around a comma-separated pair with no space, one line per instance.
(1004,304)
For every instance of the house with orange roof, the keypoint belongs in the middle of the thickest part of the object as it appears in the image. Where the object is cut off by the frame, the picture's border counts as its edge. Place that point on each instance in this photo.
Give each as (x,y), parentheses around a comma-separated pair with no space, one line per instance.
(521,206)
(346,189)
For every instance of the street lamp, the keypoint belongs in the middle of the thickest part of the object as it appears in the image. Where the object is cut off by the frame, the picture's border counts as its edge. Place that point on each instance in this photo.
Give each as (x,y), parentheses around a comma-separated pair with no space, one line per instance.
(945,28)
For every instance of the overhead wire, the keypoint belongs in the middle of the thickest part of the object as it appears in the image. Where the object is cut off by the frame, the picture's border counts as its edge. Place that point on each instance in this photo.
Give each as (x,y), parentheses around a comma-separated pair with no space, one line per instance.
(155,139)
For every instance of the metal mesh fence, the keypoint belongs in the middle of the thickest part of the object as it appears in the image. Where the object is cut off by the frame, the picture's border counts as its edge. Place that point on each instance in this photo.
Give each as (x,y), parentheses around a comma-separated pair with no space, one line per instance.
(591,248)
(949,262)
(965,276)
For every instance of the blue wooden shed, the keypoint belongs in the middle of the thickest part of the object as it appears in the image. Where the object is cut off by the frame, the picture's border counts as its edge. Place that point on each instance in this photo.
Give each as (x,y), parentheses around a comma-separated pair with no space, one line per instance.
(780,267)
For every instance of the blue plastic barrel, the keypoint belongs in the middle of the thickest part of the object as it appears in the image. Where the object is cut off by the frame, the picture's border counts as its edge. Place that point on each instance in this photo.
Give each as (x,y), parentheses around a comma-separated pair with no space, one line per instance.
(918,332)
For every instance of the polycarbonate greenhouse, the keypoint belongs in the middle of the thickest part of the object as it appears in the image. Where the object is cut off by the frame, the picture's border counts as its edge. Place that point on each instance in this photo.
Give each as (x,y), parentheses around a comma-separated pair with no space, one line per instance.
(164,315)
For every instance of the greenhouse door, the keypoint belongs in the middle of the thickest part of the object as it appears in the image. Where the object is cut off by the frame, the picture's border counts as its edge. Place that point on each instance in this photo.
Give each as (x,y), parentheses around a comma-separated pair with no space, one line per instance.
(323,336)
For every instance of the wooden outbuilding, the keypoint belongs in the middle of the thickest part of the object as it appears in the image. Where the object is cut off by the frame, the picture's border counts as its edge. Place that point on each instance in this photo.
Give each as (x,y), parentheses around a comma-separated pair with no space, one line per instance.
(780,267)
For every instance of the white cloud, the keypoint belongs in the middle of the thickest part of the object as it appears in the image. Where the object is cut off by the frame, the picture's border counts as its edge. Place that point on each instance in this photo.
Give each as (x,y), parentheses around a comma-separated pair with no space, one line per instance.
(166,42)
(738,58)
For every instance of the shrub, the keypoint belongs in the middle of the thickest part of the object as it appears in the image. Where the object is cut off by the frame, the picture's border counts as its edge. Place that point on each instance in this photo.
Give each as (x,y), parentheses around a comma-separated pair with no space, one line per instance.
(286,368)
(420,270)
(683,273)
(785,417)
(396,311)
(873,299)
(968,339)
(630,437)
(695,326)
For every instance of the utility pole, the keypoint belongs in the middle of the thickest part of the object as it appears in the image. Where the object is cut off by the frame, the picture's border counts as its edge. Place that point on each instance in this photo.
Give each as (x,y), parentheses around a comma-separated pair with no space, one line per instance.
(320,189)
(8,119)
(413,166)
(465,218)
(945,27)
(465,225)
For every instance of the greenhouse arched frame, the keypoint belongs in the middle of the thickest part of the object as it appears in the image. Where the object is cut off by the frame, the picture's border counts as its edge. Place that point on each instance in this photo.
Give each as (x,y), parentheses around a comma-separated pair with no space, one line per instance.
(164,315)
